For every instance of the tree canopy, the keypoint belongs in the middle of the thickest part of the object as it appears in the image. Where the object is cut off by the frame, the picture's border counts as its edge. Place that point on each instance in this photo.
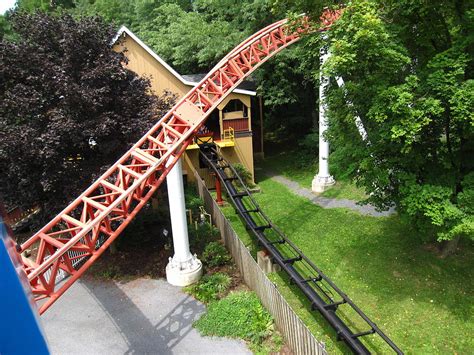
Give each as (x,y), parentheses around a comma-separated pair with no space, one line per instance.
(408,71)
(69,108)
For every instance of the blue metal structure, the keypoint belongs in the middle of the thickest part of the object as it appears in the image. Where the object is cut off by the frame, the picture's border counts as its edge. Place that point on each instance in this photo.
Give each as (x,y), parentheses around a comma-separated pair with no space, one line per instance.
(20,330)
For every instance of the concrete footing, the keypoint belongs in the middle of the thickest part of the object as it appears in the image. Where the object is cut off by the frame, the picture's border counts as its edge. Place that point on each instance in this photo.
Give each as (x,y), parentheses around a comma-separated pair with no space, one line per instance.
(322,183)
(183,273)
(265,262)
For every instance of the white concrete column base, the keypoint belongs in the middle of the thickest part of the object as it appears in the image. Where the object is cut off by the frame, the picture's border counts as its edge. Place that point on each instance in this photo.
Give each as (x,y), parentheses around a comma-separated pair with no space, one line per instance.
(183,273)
(322,183)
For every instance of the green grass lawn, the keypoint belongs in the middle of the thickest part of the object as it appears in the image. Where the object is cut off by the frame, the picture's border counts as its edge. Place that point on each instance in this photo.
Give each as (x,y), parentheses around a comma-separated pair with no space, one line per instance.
(288,165)
(423,303)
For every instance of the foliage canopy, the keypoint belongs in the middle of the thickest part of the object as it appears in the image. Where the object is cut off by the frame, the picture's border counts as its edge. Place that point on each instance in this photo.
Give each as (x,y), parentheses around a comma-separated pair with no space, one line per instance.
(408,71)
(68,108)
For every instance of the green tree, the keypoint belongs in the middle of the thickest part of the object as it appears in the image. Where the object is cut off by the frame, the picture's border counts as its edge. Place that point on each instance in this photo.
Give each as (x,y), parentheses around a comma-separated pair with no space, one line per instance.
(408,68)
(43,5)
(119,12)
(187,39)
(408,71)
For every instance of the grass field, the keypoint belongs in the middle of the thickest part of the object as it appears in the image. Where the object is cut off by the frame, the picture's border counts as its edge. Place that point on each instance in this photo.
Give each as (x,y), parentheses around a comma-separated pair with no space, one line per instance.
(288,165)
(422,302)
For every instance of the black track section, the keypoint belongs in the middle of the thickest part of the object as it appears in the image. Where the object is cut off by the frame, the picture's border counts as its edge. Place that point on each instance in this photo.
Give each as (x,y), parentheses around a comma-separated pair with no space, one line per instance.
(323,294)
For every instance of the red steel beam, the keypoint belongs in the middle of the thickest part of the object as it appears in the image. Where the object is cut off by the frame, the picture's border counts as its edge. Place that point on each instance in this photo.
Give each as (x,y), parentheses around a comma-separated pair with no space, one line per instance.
(77,236)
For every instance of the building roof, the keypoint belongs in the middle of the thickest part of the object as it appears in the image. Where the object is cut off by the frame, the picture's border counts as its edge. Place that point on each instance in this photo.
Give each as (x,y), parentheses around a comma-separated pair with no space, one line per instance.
(246,87)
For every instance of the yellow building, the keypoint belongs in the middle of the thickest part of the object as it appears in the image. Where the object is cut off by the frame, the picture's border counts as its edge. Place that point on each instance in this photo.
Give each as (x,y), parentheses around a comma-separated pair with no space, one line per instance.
(230,124)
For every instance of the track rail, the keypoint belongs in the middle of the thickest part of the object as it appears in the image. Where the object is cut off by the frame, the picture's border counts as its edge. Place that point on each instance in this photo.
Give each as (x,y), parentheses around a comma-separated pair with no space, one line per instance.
(77,236)
(320,290)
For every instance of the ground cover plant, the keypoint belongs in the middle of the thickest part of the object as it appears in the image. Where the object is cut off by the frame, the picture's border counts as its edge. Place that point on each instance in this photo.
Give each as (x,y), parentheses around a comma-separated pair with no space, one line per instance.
(215,254)
(210,287)
(400,283)
(239,315)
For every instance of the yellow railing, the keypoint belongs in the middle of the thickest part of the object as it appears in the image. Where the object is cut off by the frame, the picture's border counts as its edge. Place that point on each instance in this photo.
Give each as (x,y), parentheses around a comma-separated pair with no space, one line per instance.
(228,134)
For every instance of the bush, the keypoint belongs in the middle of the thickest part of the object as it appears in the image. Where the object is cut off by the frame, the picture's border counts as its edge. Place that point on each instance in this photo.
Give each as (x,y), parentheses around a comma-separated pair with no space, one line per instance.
(210,287)
(215,254)
(310,144)
(239,315)
(193,201)
(244,174)
(202,236)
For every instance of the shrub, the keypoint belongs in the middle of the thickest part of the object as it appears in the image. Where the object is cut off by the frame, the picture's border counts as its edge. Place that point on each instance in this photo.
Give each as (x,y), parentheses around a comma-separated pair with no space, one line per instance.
(202,236)
(215,254)
(210,287)
(244,174)
(193,201)
(239,315)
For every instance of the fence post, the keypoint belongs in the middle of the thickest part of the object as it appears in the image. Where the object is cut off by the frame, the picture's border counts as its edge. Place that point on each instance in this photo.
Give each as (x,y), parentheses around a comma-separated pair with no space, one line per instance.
(296,333)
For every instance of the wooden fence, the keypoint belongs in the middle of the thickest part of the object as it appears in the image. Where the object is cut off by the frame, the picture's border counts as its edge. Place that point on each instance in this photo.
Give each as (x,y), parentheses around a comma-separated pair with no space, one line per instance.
(295,332)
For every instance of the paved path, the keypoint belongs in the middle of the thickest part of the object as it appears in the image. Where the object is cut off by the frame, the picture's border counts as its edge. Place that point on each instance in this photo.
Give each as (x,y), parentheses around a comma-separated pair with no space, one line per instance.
(326,202)
(143,316)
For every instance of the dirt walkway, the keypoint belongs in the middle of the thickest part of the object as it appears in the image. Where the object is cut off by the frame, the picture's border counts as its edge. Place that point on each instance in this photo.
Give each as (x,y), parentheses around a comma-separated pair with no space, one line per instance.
(327,202)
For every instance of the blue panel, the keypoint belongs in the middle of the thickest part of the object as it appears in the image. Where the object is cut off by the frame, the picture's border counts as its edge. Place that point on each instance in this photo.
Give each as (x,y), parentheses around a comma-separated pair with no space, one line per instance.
(20,332)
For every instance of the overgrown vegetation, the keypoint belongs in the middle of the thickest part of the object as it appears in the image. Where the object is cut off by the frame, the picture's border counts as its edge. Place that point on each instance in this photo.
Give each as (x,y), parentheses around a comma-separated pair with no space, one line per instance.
(244,174)
(210,287)
(240,315)
(215,254)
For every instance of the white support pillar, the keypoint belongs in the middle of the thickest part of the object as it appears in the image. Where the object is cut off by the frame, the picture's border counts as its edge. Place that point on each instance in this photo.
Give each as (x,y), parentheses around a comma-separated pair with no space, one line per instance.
(183,268)
(323,179)
(358,121)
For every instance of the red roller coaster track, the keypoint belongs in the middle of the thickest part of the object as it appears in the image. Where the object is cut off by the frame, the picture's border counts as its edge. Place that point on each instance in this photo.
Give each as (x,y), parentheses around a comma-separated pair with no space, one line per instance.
(76,237)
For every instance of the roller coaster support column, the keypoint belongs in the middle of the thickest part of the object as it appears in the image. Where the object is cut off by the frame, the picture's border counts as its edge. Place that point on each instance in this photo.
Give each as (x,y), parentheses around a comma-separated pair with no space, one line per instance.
(219,200)
(323,179)
(183,268)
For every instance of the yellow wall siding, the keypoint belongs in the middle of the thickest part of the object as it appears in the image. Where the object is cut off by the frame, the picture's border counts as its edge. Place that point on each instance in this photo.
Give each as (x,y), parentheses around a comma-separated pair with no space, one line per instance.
(244,152)
(142,63)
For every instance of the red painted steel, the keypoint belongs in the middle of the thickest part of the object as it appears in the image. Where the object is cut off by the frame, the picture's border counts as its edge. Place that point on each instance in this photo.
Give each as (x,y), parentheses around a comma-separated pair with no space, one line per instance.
(77,236)
(219,199)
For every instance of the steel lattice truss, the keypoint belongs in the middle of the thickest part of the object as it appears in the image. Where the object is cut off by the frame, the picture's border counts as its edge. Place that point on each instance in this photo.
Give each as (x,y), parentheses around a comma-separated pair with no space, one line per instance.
(77,236)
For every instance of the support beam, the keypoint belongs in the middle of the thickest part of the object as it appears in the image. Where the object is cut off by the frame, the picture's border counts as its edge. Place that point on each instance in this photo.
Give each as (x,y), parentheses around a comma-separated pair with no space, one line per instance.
(219,199)
(323,180)
(183,268)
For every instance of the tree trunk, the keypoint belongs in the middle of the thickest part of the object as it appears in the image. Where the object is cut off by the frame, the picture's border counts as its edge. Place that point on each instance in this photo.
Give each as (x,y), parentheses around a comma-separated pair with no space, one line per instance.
(449,247)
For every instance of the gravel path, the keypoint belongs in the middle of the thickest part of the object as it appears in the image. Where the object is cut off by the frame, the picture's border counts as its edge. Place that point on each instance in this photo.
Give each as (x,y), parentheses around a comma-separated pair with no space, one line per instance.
(143,316)
(327,202)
